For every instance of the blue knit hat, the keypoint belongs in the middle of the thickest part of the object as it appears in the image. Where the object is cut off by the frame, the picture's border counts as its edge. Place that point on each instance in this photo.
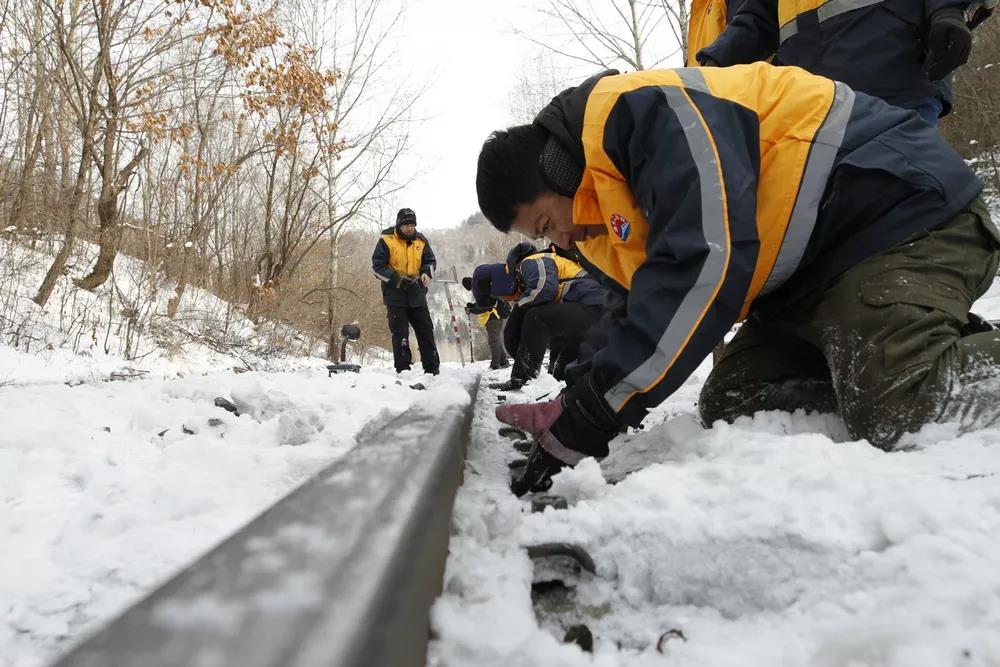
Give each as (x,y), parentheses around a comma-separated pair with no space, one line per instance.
(500,282)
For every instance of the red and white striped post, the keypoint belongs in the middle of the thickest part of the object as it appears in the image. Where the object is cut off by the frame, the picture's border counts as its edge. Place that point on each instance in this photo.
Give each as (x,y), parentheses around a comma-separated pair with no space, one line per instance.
(454,323)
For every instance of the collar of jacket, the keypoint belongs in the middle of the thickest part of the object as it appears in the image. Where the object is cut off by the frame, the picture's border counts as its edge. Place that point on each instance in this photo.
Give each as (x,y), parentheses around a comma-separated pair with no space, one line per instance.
(392,231)
(563,116)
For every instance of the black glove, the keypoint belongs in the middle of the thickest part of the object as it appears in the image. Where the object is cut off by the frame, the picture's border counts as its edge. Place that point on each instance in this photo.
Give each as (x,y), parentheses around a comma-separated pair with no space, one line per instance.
(705,61)
(476,309)
(575,425)
(538,472)
(403,282)
(949,42)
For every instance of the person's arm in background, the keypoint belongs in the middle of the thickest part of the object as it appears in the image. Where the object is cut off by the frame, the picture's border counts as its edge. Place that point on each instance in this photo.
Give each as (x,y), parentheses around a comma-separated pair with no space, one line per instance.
(949,39)
(751,35)
(428,263)
(512,330)
(380,265)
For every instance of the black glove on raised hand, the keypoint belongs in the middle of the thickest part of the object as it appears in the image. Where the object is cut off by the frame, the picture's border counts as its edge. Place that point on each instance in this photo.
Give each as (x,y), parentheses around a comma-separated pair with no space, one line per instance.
(566,430)
(949,42)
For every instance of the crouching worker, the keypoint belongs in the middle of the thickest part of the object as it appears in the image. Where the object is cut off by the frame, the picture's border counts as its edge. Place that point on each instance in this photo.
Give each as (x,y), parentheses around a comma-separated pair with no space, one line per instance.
(557,300)
(845,231)
(491,310)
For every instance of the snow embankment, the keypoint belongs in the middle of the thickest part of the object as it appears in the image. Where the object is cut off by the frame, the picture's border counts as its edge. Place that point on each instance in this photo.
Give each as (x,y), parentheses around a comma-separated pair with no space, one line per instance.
(121,328)
(109,488)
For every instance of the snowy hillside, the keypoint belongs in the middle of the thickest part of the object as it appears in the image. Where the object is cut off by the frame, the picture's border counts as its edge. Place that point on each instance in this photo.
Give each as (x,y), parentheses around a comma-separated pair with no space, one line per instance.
(121,328)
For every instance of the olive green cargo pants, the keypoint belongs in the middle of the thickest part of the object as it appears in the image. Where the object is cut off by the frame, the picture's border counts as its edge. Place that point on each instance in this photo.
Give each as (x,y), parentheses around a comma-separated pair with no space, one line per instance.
(883,347)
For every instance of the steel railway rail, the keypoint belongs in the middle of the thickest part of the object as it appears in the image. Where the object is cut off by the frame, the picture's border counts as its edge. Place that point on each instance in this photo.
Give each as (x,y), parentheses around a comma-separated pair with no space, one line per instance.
(340,572)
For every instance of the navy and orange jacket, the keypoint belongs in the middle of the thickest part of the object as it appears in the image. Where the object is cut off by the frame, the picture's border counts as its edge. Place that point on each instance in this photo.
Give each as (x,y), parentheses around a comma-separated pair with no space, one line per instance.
(547,277)
(874,46)
(708,20)
(395,256)
(726,190)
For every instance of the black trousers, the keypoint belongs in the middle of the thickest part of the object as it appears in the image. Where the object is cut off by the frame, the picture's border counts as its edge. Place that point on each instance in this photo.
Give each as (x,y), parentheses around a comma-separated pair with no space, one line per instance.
(401,318)
(531,330)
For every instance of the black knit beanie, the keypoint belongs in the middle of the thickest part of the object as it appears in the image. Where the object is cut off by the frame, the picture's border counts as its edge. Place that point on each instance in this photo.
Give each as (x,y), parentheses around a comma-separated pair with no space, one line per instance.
(406,216)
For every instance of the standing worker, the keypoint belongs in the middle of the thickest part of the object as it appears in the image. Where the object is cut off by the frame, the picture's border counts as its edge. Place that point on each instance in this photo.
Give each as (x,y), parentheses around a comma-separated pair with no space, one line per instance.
(404,262)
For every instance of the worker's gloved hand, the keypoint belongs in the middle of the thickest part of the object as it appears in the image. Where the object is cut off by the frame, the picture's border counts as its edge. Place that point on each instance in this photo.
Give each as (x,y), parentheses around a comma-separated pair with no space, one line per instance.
(475,309)
(566,430)
(425,279)
(949,42)
(705,61)
(404,281)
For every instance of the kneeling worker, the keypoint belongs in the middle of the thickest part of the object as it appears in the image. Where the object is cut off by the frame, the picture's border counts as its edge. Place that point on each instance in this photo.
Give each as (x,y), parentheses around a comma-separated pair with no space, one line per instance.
(557,300)
(846,232)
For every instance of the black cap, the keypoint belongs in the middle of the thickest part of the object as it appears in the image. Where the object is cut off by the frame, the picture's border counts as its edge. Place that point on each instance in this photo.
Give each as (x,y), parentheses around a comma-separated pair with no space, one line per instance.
(406,216)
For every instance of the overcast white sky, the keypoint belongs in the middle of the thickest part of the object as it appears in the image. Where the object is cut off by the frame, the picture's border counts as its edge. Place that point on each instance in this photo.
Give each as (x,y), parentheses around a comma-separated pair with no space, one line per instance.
(466,52)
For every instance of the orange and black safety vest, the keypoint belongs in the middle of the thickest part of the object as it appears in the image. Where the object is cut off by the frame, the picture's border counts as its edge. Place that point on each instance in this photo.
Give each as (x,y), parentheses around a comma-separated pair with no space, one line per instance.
(405,257)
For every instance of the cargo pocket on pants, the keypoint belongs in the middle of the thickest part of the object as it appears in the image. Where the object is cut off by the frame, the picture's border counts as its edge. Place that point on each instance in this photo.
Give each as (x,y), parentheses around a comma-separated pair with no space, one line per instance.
(916,320)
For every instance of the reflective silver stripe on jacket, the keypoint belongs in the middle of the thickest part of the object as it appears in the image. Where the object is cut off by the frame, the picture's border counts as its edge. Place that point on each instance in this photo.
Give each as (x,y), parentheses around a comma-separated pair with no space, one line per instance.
(714,228)
(812,185)
(827,10)
(694,78)
(542,277)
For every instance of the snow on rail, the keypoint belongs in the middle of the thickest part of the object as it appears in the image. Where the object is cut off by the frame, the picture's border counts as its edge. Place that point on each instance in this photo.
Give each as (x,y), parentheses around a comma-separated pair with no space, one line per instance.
(342,571)
(107,489)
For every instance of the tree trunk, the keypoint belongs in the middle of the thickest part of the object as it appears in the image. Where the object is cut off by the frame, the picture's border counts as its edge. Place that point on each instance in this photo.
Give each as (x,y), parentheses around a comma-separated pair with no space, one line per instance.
(59,263)
(107,213)
(21,195)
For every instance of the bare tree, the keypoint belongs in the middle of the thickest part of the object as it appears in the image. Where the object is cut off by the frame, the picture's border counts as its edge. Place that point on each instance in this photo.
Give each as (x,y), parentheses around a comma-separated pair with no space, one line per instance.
(613,33)
(232,144)
(370,119)
(82,98)
(678,20)
(538,81)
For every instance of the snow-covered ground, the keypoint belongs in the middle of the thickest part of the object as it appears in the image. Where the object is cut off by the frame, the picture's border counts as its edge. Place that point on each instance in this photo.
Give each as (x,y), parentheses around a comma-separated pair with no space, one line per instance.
(772,541)
(108,488)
